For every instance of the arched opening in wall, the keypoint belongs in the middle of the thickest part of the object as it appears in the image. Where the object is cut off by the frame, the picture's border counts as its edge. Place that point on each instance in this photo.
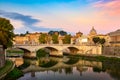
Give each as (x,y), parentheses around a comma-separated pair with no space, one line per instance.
(43,57)
(70,50)
(45,51)
(15,52)
(26,52)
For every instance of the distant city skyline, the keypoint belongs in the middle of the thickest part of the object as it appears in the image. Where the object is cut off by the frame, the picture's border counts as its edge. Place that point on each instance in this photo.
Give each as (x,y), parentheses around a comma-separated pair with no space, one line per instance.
(69,15)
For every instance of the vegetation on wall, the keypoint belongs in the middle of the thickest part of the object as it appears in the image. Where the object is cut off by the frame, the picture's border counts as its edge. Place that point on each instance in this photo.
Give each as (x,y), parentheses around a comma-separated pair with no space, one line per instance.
(15,51)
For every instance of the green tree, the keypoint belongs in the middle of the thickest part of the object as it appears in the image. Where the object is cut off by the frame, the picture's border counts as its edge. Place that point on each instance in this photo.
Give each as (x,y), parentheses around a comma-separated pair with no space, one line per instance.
(55,39)
(42,38)
(48,38)
(102,41)
(6,33)
(51,32)
(27,32)
(41,53)
(16,34)
(96,40)
(22,34)
(62,33)
(67,39)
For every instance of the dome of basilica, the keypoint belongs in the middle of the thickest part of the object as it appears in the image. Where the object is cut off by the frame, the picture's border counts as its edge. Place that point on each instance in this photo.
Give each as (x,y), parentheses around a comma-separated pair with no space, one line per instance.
(93,31)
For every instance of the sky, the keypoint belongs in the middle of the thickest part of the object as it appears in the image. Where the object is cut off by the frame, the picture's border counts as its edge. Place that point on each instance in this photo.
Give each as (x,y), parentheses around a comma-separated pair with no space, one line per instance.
(69,15)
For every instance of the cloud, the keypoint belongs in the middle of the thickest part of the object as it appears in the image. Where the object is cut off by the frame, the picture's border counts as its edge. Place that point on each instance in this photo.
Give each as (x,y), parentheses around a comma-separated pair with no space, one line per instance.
(27,20)
(15,23)
(111,8)
(23,23)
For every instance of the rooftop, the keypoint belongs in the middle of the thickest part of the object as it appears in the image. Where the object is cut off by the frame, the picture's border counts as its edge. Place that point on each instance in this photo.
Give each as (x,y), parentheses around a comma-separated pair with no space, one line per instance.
(115,33)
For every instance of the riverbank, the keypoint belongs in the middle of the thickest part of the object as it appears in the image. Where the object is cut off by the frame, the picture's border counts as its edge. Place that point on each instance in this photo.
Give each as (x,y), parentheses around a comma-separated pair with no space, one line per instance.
(98,57)
(9,65)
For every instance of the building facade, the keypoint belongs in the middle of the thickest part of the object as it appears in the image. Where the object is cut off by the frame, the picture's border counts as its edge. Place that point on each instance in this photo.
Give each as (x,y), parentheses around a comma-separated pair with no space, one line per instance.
(78,38)
(115,38)
(31,38)
(106,37)
(93,33)
(21,40)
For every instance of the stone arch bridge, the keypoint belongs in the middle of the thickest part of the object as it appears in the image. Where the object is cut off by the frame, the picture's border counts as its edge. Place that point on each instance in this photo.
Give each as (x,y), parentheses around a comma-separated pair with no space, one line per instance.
(57,49)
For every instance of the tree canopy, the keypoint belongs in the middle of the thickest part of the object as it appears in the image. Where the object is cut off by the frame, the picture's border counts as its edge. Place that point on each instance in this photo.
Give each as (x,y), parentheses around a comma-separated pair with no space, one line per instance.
(99,40)
(102,41)
(96,40)
(60,32)
(67,39)
(55,39)
(51,32)
(42,38)
(6,33)
(27,32)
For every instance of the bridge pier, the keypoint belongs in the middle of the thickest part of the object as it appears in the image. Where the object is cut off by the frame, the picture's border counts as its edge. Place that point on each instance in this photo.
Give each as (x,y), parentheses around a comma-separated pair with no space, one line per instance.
(80,52)
(33,54)
(97,50)
(94,50)
(73,51)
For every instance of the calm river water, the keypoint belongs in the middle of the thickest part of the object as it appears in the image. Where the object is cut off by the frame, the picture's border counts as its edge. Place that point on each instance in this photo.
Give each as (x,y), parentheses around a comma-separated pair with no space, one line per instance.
(51,68)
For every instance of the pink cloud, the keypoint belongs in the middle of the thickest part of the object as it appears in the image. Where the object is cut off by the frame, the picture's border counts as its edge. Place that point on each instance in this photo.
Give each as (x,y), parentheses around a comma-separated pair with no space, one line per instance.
(105,19)
(111,8)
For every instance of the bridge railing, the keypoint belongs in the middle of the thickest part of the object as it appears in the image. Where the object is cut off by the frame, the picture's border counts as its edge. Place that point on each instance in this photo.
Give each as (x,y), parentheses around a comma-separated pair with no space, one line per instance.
(53,45)
(40,44)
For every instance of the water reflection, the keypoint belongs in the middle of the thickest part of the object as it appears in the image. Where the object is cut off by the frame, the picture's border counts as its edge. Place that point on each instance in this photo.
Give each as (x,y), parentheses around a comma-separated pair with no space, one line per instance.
(32,73)
(113,69)
(69,69)
(18,61)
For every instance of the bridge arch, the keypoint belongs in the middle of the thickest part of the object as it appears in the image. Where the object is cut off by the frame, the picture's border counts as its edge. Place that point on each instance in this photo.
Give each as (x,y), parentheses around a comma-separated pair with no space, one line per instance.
(23,48)
(72,49)
(27,52)
(52,50)
(57,49)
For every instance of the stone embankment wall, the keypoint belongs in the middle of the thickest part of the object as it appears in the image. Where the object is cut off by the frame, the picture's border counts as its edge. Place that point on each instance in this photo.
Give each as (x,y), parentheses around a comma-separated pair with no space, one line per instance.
(2,57)
(115,51)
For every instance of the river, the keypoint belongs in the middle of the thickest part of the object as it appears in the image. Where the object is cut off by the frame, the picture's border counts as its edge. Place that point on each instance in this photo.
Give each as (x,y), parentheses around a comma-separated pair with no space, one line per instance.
(68,68)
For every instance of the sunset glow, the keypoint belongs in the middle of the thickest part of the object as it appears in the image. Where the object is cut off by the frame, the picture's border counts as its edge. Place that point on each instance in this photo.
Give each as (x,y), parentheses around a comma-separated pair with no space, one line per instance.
(69,15)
